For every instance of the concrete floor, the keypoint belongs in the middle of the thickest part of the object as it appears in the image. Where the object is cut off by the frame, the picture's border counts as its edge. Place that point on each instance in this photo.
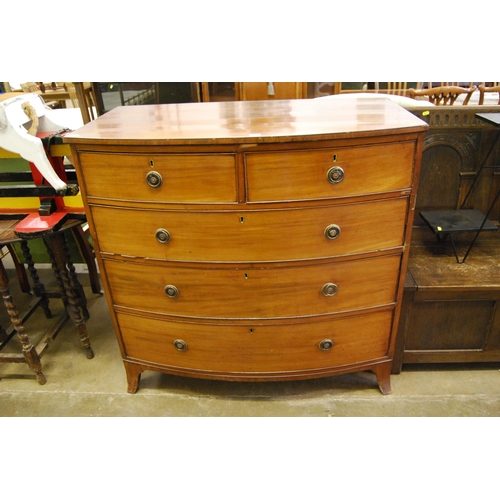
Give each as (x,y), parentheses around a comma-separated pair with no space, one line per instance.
(77,386)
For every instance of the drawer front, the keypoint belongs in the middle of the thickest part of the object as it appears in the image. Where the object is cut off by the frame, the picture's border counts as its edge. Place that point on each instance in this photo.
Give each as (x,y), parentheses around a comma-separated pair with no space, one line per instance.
(257,348)
(179,178)
(303,175)
(254,292)
(264,235)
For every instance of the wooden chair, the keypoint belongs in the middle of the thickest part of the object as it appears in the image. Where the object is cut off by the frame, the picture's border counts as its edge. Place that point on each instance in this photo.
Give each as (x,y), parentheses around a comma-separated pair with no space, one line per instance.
(81,95)
(490,87)
(394,88)
(29,87)
(32,87)
(444,95)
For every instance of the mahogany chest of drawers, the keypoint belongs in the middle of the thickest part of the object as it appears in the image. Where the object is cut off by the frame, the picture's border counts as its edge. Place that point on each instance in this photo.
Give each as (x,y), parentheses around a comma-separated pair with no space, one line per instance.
(252,241)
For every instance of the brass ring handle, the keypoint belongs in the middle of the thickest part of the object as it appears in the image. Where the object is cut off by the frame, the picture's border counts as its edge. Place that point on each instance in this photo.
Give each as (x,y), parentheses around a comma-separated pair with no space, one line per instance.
(329,289)
(326,344)
(154,179)
(180,345)
(335,175)
(172,291)
(162,235)
(332,232)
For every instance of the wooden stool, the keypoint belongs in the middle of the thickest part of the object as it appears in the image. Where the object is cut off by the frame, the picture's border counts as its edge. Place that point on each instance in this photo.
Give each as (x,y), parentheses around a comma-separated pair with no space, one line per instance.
(70,291)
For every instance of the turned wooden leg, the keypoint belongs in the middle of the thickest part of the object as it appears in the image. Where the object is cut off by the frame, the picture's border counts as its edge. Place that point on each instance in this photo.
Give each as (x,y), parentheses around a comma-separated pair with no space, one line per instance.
(383,372)
(77,286)
(133,376)
(55,245)
(30,355)
(38,287)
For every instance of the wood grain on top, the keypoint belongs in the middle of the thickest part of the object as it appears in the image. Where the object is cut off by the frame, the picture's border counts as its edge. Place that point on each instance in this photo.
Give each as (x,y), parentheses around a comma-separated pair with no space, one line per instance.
(247,121)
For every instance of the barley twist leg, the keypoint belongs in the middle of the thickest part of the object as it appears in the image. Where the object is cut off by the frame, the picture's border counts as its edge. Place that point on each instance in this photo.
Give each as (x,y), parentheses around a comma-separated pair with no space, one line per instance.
(56,243)
(38,286)
(77,286)
(30,354)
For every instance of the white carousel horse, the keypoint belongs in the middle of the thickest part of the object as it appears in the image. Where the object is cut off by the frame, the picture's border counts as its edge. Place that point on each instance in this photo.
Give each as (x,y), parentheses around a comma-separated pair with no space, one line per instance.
(29,110)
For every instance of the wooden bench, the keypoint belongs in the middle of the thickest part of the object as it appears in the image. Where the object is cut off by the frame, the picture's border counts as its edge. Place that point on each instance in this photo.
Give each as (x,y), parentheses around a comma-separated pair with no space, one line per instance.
(451,311)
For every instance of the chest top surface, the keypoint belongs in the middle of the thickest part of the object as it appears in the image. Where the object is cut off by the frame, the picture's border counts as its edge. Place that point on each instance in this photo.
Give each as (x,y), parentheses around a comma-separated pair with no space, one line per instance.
(248,121)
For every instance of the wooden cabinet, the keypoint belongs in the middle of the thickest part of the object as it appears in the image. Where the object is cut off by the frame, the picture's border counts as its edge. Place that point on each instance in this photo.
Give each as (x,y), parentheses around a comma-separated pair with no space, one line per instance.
(253,91)
(451,311)
(252,241)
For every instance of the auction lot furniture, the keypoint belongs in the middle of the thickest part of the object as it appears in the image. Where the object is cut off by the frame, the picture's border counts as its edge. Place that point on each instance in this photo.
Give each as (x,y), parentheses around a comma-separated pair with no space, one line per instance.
(70,292)
(252,241)
(445,94)
(451,308)
(486,88)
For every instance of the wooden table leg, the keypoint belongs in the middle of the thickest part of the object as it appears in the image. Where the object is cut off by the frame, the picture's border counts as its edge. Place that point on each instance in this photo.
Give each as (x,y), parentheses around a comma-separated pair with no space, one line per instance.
(56,246)
(38,287)
(29,351)
(77,286)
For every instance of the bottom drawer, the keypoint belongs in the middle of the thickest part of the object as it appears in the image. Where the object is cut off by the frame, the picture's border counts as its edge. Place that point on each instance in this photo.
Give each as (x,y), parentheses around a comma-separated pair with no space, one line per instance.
(256,348)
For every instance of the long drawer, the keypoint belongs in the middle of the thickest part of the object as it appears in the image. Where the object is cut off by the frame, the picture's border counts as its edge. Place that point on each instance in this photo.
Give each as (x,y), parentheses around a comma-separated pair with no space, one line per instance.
(250,291)
(329,173)
(256,347)
(161,178)
(263,235)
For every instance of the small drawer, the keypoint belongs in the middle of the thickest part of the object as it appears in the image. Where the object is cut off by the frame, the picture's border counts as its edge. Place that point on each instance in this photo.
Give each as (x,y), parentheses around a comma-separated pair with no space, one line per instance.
(329,173)
(253,235)
(168,178)
(254,292)
(253,348)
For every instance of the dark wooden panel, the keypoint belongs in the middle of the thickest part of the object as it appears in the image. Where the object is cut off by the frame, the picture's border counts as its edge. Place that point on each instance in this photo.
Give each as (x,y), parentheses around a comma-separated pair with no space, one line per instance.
(455,145)
(449,325)
(441,167)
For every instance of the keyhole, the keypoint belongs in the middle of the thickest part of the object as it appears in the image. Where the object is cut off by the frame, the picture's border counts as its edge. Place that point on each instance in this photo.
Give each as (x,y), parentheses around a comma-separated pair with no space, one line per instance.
(151,163)
(251,330)
(246,276)
(334,157)
(242,219)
